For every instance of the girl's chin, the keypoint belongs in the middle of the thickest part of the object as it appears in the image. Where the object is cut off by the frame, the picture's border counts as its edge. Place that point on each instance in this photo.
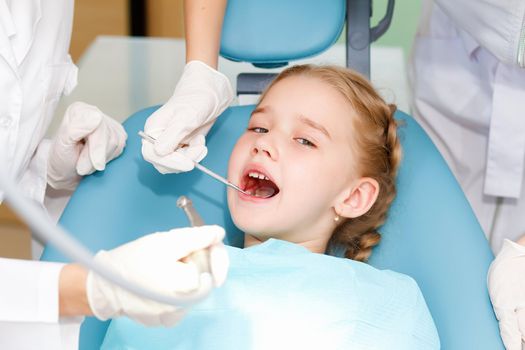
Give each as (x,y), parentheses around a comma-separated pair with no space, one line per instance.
(249,228)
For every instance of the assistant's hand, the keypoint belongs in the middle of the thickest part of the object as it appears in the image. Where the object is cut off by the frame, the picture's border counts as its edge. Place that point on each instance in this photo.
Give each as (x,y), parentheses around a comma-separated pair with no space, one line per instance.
(86,140)
(154,261)
(201,95)
(506,281)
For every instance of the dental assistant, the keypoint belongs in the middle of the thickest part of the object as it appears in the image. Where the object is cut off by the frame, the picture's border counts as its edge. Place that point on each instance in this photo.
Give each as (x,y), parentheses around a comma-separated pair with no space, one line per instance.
(468,83)
(35,70)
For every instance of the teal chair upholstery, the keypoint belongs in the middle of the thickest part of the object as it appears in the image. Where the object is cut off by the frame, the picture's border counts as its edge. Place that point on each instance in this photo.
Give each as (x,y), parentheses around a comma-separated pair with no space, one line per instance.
(431,234)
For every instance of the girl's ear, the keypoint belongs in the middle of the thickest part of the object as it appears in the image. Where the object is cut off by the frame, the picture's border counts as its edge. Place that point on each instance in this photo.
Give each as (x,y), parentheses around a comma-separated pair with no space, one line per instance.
(358,199)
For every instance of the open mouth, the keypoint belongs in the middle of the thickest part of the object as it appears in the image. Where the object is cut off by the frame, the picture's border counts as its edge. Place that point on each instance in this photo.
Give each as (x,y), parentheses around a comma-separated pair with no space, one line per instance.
(258,184)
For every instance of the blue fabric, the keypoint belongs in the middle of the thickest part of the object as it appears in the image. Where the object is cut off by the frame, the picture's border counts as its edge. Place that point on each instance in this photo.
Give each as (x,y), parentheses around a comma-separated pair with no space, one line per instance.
(279,295)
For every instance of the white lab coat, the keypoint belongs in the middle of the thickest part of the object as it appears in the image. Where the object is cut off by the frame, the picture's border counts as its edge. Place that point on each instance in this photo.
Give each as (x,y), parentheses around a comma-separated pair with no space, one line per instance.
(468,91)
(35,70)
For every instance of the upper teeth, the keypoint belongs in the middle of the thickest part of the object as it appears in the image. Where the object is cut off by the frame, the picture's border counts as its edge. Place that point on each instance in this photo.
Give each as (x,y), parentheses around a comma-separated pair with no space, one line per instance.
(257,175)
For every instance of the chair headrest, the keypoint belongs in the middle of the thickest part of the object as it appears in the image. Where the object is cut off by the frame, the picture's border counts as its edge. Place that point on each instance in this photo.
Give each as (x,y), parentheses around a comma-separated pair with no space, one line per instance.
(269,33)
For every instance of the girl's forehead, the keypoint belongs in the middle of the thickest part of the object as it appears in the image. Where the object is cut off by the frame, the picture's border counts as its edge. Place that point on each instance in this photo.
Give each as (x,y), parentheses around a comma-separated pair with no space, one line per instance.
(311,97)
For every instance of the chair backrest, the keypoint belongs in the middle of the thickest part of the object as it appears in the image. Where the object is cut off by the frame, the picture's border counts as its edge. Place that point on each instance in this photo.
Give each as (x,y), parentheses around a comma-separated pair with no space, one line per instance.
(271,33)
(431,234)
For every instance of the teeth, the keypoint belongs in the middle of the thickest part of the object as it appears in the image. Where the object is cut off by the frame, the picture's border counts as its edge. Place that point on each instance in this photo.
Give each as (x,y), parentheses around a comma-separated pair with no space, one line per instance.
(257,175)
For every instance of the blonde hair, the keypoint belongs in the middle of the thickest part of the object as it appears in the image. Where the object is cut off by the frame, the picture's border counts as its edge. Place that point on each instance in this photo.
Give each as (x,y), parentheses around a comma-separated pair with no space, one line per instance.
(378,152)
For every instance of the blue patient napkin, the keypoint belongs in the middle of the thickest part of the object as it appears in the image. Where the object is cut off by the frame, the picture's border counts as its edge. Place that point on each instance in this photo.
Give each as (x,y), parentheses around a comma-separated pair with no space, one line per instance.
(279,295)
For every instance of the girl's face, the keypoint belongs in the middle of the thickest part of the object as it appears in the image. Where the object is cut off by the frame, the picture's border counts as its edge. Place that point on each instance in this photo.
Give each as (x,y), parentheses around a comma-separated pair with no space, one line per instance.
(298,145)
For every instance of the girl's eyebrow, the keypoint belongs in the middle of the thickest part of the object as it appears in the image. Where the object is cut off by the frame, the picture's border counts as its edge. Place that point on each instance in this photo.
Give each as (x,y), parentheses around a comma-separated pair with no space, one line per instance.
(314,125)
(259,110)
(302,118)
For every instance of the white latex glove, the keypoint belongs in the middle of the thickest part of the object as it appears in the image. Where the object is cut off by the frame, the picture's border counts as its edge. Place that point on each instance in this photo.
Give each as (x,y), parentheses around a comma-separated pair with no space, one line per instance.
(506,282)
(86,140)
(200,96)
(153,261)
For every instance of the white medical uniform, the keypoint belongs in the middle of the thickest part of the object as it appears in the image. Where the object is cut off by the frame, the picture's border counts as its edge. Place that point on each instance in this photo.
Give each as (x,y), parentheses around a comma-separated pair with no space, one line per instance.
(468,93)
(35,70)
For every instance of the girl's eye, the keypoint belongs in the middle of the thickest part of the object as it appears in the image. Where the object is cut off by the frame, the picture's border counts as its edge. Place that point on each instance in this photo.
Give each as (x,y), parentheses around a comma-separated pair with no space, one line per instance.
(258,130)
(305,142)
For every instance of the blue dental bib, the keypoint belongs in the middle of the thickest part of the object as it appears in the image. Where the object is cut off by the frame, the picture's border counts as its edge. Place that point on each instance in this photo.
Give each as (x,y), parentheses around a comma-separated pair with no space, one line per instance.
(279,295)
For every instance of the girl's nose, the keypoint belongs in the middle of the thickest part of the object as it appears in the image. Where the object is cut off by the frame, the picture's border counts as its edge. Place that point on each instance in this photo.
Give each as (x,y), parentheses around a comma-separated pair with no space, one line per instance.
(264,146)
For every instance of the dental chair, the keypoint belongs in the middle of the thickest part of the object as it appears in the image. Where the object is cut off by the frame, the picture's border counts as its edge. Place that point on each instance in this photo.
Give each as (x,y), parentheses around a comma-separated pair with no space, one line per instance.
(431,234)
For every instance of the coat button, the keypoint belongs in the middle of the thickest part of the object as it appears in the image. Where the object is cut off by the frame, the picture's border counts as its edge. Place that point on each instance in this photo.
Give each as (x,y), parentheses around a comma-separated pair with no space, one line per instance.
(5,121)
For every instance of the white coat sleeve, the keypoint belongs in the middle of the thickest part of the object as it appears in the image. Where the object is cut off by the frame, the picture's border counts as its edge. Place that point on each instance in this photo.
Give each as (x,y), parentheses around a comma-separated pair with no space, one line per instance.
(34,179)
(496,25)
(34,184)
(29,307)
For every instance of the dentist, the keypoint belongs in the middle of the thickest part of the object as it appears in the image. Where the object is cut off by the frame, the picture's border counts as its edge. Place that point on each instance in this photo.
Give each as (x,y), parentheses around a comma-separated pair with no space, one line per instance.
(468,83)
(38,298)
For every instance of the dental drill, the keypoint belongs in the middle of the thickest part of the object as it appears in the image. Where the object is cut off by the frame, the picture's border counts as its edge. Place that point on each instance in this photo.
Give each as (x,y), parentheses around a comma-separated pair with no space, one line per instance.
(200,258)
(44,228)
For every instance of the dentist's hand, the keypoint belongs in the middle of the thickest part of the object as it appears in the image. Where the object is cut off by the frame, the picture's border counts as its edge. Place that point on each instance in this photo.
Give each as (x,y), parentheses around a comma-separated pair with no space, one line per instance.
(200,96)
(506,281)
(154,261)
(86,140)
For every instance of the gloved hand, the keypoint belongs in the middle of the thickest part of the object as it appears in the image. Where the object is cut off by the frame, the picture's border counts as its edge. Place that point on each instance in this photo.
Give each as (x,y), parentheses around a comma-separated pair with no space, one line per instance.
(202,93)
(86,140)
(506,282)
(153,261)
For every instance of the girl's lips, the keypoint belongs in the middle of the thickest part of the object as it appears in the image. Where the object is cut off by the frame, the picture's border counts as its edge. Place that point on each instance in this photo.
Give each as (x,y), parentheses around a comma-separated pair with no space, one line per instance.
(245,180)
(254,168)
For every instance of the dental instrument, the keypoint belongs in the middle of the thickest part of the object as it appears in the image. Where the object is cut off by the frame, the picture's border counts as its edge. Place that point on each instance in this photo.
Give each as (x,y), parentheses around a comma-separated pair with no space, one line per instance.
(199,166)
(200,258)
(186,204)
(42,226)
